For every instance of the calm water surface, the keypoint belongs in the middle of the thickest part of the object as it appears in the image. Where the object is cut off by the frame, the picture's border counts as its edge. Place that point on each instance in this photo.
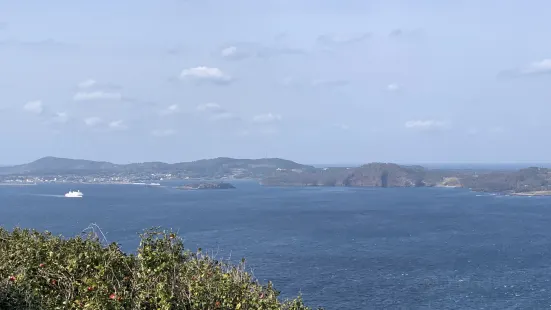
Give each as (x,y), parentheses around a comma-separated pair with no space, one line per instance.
(343,248)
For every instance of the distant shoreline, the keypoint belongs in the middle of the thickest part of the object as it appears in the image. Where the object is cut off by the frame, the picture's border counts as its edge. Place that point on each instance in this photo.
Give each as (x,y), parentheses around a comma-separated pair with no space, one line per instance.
(41,183)
(151,184)
(542,193)
(534,193)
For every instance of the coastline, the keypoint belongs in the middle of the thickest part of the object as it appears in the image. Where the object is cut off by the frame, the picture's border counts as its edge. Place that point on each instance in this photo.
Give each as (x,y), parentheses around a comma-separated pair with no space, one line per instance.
(149,183)
(184,187)
(42,183)
(534,193)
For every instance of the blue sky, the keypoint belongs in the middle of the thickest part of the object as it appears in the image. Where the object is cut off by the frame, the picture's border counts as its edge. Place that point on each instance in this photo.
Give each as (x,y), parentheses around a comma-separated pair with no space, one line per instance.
(314,81)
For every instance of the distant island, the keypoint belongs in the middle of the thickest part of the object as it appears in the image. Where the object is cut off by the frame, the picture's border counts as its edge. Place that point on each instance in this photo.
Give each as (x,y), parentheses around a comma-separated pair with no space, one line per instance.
(529,181)
(54,169)
(198,186)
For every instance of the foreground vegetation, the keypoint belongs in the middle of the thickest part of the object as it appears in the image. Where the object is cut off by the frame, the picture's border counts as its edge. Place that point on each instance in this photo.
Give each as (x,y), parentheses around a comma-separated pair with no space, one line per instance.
(42,271)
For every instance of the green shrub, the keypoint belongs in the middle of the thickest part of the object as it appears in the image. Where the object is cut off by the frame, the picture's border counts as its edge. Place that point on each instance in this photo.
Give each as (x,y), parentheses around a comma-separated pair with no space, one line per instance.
(42,271)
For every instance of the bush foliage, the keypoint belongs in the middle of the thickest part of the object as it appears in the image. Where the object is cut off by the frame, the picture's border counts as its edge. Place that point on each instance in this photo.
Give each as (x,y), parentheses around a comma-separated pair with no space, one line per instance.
(42,271)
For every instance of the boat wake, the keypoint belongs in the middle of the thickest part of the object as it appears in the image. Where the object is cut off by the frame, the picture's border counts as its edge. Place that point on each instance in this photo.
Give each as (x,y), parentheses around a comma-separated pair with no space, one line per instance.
(48,195)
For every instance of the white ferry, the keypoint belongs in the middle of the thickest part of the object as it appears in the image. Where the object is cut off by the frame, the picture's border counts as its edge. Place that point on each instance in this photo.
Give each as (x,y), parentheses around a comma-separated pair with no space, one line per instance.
(73,194)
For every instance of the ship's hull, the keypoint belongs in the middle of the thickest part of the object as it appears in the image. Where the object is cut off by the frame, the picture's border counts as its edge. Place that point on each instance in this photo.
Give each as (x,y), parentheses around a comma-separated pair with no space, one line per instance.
(73,196)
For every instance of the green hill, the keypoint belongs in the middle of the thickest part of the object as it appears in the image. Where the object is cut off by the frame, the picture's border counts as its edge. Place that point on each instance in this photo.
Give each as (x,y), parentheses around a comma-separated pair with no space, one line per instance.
(204,167)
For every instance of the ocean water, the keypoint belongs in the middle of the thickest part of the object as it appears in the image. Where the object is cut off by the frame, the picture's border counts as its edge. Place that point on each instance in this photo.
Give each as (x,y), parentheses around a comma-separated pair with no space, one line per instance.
(342,248)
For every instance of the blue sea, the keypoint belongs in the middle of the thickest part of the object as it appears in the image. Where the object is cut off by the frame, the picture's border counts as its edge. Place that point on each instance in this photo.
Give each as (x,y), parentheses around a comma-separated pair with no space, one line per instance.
(342,248)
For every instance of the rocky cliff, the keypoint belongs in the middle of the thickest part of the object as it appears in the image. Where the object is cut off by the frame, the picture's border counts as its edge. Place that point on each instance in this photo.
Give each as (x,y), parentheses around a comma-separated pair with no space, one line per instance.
(393,175)
(370,175)
(385,175)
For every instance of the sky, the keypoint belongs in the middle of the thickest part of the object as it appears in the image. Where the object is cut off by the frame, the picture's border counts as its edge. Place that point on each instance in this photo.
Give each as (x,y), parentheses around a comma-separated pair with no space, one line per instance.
(315,81)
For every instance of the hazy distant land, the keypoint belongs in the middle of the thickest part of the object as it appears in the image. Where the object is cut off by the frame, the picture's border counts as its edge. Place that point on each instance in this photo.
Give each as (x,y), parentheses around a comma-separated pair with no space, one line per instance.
(206,186)
(529,181)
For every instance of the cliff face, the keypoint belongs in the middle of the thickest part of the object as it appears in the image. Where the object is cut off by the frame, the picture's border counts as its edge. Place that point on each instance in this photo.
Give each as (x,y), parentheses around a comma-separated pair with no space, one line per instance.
(524,180)
(393,175)
(370,175)
(385,175)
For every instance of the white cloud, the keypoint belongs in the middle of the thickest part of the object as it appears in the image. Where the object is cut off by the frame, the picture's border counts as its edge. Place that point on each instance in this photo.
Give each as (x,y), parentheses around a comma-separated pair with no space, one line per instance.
(250,50)
(426,125)
(236,53)
(216,112)
(209,107)
(61,117)
(538,67)
(534,68)
(266,118)
(172,109)
(393,87)
(97,95)
(118,125)
(92,121)
(229,51)
(209,74)
(35,107)
(163,132)
(87,84)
